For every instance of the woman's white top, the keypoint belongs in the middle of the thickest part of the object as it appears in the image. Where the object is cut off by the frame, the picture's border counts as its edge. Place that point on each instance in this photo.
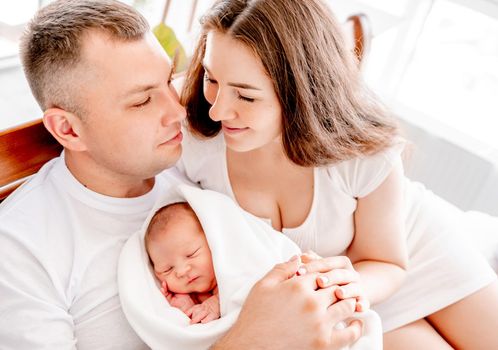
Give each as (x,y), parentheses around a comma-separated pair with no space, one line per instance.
(443,266)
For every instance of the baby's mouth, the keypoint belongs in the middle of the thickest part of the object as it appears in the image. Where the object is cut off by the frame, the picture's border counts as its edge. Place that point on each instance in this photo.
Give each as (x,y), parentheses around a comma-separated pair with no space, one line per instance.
(192,279)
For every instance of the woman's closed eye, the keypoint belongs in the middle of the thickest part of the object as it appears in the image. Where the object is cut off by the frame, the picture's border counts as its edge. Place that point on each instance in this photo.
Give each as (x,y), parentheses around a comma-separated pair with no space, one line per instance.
(209,80)
(244,98)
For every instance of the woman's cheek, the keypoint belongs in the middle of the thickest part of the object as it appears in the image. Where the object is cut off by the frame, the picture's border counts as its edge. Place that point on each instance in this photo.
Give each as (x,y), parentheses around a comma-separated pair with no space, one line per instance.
(209,93)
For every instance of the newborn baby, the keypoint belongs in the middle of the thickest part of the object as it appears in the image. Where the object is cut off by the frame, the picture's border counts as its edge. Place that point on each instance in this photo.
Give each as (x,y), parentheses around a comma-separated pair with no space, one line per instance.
(181,258)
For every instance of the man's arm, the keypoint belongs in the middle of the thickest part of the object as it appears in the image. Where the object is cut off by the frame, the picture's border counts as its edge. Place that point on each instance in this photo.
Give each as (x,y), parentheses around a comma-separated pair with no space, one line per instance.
(284,311)
(33,313)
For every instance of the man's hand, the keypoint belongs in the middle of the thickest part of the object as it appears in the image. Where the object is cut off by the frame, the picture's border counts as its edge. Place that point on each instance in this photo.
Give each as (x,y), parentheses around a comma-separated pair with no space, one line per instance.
(285,311)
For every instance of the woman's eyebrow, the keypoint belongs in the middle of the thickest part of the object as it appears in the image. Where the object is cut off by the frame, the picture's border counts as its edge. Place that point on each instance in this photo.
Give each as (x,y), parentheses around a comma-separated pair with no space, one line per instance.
(238,85)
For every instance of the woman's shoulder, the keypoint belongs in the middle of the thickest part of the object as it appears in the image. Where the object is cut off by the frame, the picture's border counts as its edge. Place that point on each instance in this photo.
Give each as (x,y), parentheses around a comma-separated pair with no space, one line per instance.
(361,175)
(198,151)
(198,142)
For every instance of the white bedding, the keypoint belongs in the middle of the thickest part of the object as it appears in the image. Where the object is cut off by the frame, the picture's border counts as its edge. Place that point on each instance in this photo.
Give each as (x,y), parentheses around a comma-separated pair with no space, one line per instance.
(243,248)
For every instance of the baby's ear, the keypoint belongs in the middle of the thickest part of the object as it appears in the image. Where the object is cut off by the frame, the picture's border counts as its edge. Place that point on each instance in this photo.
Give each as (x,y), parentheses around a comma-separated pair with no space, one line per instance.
(158,276)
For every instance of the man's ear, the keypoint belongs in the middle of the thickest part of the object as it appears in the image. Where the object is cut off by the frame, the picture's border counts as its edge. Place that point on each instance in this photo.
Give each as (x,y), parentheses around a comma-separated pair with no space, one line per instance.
(64,126)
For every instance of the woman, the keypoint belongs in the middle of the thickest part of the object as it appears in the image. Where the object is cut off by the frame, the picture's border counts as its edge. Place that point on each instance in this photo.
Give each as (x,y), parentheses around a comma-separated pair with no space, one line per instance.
(306,147)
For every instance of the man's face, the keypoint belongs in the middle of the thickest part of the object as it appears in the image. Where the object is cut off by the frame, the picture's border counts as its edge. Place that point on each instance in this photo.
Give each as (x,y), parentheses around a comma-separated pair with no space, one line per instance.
(181,256)
(132,125)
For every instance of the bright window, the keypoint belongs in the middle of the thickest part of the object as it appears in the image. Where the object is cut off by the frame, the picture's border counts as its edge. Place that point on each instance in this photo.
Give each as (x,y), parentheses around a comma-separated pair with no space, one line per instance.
(453,75)
(13,16)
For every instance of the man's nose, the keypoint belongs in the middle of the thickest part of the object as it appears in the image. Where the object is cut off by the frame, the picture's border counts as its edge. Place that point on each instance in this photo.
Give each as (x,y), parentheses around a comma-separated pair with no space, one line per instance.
(173,111)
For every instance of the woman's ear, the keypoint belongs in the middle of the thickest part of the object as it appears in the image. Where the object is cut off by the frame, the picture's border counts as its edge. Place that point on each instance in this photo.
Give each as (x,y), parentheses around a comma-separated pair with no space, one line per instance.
(64,127)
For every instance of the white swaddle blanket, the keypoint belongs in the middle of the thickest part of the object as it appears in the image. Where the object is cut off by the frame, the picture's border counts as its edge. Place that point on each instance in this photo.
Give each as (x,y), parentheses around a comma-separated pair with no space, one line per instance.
(243,249)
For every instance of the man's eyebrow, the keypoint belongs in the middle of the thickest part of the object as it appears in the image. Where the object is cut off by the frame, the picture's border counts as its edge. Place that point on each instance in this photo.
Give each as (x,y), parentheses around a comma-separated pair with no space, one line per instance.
(239,85)
(143,88)
(139,89)
(174,63)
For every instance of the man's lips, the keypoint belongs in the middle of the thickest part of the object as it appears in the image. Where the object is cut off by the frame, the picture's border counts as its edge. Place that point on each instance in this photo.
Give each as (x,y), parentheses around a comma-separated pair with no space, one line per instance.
(176,139)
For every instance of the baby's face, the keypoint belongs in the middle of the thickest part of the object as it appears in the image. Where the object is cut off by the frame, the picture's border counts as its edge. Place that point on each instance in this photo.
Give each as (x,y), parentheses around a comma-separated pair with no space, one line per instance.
(182,257)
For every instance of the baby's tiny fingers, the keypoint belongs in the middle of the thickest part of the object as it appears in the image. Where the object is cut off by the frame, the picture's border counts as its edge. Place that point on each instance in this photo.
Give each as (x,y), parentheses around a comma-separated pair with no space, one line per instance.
(190,311)
(209,317)
(198,316)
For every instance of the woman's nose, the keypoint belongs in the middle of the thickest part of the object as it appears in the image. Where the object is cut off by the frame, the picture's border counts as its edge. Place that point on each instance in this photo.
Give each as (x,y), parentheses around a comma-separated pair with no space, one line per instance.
(221,109)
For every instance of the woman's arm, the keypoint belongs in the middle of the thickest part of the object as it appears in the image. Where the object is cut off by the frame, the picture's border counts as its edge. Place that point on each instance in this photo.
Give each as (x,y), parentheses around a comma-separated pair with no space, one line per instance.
(378,251)
(283,311)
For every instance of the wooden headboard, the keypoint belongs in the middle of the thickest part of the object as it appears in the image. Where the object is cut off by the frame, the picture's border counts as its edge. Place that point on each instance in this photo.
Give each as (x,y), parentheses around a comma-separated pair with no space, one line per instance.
(23,151)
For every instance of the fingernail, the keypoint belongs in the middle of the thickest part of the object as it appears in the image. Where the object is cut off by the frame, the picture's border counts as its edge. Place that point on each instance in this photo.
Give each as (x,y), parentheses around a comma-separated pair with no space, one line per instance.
(363,305)
(301,271)
(360,322)
(324,280)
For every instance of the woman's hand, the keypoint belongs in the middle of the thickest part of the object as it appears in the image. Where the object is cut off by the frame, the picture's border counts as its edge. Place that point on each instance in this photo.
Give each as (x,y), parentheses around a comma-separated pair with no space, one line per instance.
(283,311)
(336,272)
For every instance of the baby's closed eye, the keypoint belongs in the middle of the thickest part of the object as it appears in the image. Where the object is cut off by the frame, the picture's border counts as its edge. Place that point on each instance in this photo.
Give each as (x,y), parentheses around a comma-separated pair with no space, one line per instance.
(193,253)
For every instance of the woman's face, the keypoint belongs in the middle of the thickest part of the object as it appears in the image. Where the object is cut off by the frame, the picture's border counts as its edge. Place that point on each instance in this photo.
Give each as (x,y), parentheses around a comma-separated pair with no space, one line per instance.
(241,94)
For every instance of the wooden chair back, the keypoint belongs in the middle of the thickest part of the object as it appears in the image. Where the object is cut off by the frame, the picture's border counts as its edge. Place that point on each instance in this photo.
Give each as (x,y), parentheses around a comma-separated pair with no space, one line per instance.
(359,28)
(23,151)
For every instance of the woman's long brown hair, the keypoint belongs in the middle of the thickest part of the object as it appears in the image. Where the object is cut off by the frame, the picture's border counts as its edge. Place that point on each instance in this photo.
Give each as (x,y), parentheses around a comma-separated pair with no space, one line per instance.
(328,113)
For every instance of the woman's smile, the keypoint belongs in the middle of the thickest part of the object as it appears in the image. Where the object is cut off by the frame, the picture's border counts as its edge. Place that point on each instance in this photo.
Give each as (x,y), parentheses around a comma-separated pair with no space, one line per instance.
(233,131)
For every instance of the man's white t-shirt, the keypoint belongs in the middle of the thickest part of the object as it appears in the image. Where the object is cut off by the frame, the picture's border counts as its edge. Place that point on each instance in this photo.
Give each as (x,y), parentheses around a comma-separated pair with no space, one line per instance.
(59,248)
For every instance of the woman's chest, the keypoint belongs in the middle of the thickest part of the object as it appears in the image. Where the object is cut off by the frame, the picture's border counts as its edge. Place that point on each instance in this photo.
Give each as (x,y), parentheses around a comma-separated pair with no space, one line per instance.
(285,198)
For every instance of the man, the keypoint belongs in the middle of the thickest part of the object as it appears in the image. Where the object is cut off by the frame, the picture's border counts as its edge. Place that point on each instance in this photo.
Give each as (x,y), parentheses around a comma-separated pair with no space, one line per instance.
(104,84)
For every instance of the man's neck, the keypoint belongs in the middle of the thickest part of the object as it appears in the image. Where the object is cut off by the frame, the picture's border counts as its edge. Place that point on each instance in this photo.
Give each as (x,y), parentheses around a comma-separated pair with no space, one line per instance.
(104,182)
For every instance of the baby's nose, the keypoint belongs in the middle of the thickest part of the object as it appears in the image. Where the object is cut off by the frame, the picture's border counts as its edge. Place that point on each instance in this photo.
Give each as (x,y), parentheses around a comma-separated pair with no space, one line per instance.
(183,270)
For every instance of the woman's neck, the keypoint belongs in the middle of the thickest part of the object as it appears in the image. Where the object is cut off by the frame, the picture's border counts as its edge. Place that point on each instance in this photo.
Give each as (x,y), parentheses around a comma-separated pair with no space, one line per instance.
(270,155)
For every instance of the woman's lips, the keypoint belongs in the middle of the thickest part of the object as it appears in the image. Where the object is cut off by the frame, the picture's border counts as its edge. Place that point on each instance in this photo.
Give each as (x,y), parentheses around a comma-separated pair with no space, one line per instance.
(233,131)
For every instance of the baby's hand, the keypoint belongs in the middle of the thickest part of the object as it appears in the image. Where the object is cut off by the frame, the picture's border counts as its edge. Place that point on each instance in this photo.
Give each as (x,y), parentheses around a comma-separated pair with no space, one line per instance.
(207,311)
(181,301)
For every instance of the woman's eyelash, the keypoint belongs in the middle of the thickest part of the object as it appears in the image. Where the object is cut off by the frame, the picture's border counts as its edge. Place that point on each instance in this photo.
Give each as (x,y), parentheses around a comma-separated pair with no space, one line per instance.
(146,102)
(239,96)
(243,98)
(209,80)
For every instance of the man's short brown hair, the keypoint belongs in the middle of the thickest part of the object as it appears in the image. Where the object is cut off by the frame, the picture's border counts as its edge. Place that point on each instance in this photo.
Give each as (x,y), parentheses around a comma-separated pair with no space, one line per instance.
(51,45)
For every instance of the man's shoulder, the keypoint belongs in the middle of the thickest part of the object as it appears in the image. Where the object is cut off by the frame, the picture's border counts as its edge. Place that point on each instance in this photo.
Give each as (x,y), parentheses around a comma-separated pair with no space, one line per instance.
(173,177)
(31,194)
